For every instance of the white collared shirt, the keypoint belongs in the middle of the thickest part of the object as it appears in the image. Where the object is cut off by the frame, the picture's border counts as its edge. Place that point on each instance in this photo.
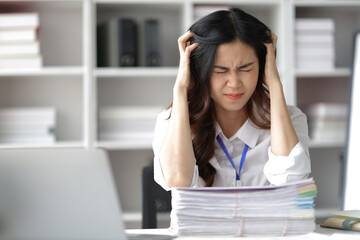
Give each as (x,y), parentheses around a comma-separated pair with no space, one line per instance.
(261,166)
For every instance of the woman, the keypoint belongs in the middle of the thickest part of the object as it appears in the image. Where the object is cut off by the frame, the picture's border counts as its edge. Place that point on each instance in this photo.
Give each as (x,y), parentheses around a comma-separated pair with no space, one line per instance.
(229,124)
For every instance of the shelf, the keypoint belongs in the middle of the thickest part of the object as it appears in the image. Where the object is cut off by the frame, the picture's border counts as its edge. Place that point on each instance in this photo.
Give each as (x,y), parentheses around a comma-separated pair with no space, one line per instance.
(137,72)
(125,145)
(326,3)
(45,71)
(337,72)
(64,144)
(329,144)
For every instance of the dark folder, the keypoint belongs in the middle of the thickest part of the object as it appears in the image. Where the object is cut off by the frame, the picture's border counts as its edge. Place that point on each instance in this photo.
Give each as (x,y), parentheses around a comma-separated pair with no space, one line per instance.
(117,41)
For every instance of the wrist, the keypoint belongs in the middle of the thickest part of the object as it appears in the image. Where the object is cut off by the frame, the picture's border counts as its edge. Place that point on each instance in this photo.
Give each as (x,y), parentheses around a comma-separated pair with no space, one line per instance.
(275,86)
(180,93)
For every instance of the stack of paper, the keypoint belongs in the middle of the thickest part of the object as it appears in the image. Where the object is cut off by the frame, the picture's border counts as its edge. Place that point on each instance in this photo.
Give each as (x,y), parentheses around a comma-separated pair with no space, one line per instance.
(314,44)
(127,123)
(19,46)
(270,210)
(27,125)
(327,121)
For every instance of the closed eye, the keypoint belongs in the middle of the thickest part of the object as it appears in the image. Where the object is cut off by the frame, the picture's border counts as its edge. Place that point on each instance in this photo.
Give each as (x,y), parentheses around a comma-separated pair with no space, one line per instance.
(245,67)
(220,69)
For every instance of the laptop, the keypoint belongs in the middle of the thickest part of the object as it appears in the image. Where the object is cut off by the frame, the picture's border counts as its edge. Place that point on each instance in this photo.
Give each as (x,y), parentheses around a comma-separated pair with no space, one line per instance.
(59,193)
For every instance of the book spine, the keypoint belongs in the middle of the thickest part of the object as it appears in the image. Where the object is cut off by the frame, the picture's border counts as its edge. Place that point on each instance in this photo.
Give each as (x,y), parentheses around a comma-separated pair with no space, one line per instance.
(128,43)
(19,48)
(19,20)
(316,25)
(17,35)
(31,115)
(152,43)
(21,62)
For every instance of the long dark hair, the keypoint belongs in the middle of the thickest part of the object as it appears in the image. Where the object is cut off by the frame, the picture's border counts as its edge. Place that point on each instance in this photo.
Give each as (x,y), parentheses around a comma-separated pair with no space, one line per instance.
(212,30)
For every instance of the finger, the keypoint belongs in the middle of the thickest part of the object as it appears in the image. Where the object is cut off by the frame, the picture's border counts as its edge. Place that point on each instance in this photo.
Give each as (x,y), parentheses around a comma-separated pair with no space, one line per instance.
(183,39)
(191,48)
(188,51)
(274,39)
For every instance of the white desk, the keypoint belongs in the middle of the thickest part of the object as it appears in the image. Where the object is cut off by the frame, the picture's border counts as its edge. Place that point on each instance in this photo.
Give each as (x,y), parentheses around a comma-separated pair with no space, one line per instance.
(319,234)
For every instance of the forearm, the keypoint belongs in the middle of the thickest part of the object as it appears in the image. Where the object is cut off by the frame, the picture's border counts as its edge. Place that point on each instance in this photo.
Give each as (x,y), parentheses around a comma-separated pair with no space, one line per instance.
(283,135)
(176,153)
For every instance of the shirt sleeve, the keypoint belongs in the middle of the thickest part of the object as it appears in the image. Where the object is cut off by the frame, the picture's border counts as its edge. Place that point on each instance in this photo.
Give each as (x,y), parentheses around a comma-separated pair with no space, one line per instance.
(295,166)
(161,126)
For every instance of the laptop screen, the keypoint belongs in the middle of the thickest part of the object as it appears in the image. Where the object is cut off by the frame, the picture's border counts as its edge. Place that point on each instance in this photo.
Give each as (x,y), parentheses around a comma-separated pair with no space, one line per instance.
(58,194)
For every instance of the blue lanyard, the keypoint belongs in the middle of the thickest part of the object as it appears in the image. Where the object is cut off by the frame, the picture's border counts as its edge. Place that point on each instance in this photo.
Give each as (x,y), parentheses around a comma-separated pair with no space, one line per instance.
(228,156)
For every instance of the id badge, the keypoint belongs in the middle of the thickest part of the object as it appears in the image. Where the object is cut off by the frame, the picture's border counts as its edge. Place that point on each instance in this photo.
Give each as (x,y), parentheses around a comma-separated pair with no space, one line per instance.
(239,183)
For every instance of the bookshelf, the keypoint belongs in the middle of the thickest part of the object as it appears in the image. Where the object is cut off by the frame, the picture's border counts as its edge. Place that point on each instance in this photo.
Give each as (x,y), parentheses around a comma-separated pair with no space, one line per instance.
(70,80)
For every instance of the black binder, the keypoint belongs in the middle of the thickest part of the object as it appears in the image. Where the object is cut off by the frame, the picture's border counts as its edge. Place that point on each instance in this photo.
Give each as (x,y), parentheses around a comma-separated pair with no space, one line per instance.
(117,43)
(152,43)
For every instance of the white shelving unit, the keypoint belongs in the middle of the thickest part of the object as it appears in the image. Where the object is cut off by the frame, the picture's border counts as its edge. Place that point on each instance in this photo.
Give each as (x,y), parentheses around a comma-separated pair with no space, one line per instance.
(71,81)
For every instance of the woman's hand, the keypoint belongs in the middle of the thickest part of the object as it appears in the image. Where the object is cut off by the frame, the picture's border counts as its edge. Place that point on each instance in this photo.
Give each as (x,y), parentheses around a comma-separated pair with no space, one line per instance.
(283,135)
(271,74)
(176,155)
(183,78)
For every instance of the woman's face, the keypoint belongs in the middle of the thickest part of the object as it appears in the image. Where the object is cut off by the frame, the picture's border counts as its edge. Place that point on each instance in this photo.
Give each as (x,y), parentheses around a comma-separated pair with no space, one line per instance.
(234,76)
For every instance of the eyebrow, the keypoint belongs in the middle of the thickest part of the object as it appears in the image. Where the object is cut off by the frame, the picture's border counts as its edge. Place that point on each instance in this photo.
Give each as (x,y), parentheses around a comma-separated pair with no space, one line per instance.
(240,67)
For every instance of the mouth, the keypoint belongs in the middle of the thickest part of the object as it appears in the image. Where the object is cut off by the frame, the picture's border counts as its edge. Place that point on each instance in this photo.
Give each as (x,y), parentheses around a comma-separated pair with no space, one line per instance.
(234,96)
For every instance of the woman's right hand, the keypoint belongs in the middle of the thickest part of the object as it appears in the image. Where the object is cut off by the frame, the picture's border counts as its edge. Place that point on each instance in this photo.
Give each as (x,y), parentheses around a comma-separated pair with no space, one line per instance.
(183,78)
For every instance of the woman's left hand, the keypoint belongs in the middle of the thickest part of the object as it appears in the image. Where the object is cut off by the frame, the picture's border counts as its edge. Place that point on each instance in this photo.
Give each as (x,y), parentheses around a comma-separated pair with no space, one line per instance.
(271,74)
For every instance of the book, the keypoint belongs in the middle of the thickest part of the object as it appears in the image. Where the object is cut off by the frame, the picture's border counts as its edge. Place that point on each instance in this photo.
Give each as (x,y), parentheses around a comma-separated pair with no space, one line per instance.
(314,64)
(17,35)
(318,25)
(33,61)
(326,111)
(244,211)
(310,39)
(45,115)
(327,121)
(28,138)
(315,51)
(19,20)
(127,123)
(27,125)
(314,43)
(14,49)
(345,220)
(129,112)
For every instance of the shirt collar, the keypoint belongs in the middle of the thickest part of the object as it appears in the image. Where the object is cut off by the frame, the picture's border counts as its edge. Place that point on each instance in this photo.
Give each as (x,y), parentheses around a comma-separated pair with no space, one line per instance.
(248,133)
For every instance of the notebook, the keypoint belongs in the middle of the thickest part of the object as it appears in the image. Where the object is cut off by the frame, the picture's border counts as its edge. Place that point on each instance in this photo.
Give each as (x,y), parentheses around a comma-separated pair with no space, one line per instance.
(59,194)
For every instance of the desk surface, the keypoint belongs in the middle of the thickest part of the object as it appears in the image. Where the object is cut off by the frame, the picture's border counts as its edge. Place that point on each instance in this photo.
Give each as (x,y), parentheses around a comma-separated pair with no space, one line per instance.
(320,233)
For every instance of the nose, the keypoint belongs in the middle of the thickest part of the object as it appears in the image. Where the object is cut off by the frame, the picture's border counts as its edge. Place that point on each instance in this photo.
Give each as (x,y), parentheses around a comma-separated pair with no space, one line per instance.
(234,80)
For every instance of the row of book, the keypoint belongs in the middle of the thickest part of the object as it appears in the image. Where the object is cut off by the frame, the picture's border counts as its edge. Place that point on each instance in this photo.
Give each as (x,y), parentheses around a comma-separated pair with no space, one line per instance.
(314,44)
(27,125)
(244,211)
(19,44)
(327,121)
(127,123)
(118,43)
